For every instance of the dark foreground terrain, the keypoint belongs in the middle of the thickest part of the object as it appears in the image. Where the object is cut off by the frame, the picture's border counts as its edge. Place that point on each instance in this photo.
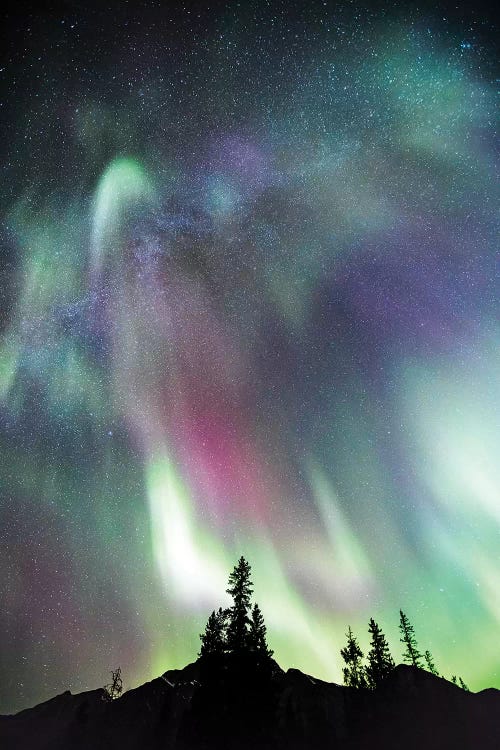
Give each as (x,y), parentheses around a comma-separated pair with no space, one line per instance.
(184,710)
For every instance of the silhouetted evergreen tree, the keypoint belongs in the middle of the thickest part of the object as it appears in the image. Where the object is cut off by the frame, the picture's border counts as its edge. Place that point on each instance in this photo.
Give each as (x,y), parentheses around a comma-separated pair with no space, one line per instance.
(240,588)
(463,685)
(257,634)
(249,689)
(380,661)
(212,675)
(430,663)
(454,679)
(411,654)
(213,640)
(354,671)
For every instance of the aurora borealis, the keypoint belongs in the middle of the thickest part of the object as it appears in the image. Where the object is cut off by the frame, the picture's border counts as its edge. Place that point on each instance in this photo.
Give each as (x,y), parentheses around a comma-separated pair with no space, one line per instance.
(249,305)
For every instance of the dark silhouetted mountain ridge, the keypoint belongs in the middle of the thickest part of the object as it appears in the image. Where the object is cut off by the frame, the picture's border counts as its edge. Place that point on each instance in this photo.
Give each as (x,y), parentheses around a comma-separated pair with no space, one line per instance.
(251,710)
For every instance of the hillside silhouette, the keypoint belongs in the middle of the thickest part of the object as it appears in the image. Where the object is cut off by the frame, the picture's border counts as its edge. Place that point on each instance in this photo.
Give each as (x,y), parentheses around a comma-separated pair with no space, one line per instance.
(236,697)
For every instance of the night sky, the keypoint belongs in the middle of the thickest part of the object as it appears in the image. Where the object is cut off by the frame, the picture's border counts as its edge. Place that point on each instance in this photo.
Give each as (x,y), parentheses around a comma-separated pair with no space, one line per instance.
(249,291)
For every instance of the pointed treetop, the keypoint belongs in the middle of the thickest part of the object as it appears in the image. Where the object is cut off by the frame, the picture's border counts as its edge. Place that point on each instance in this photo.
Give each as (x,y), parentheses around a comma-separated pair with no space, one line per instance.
(380,661)
(430,663)
(257,634)
(240,588)
(411,653)
(213,639)
(240,629)
(354,672)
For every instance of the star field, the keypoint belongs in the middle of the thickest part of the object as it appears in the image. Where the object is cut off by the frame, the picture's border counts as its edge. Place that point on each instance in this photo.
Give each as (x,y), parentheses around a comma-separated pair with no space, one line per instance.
(249,292)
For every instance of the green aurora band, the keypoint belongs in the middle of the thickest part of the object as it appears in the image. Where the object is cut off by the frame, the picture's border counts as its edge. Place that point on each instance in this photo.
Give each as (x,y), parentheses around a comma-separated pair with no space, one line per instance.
(275,336)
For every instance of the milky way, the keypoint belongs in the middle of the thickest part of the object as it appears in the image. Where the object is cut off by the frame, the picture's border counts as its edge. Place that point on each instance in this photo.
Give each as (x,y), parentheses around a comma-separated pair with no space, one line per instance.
(249,305)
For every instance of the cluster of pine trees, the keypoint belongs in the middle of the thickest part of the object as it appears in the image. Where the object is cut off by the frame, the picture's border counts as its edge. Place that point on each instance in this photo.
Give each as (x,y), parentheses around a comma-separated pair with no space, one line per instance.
(239,630)
(380,662)
(235,673)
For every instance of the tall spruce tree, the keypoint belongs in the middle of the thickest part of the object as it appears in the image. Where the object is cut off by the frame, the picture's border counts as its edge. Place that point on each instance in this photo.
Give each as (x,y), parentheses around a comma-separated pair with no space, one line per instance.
(240,588)
(257,634)
(213,641)
(411,654)
(380,661)
(430,663)
(354,671)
